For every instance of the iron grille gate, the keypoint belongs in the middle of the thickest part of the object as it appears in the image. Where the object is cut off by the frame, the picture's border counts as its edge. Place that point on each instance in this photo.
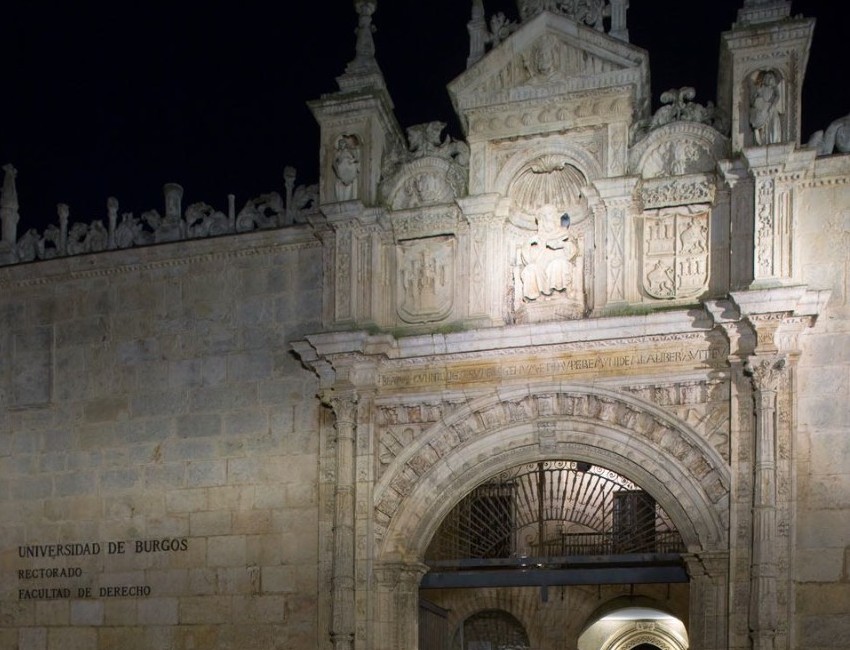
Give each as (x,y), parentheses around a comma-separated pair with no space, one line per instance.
(564,515)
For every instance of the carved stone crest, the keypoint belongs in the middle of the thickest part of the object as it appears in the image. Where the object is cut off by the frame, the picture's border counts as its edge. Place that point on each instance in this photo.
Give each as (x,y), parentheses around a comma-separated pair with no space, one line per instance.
(675,252)
(425,279)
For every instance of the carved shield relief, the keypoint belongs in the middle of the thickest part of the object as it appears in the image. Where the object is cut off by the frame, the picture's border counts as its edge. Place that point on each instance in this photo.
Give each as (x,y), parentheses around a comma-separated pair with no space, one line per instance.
(675,252)
(425,278)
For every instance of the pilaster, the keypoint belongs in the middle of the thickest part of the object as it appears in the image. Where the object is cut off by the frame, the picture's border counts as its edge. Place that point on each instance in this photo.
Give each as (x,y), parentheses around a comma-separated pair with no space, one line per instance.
(709,606)
(776,318)
(487,274)
(397,604)
(616,228)
(343,621)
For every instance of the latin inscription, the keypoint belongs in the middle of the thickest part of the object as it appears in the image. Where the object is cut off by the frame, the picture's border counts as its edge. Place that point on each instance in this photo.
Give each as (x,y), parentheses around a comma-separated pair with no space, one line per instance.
(50,582)
(555,367)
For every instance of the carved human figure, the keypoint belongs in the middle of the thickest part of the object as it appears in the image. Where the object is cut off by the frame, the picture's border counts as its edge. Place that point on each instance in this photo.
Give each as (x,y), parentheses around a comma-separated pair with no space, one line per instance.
(544,64)
(125,232)
(346,167)
(766,106)
(548,258)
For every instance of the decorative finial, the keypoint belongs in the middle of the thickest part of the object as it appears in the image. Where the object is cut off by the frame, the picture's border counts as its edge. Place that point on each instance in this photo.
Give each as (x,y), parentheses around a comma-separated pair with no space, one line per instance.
(363,71)
(9,205)
(365,48)
(478,33)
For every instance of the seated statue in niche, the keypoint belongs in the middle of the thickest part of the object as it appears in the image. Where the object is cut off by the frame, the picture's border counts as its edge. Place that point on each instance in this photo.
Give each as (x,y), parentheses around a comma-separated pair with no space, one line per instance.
(767,105)
(548,259)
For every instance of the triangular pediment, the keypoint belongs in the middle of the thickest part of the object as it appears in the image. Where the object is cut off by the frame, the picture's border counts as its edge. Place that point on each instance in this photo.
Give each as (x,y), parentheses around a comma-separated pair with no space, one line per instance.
(551,56)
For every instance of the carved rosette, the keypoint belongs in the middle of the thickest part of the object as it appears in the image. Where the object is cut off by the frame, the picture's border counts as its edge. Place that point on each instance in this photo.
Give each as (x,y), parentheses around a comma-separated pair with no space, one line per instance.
(676,252)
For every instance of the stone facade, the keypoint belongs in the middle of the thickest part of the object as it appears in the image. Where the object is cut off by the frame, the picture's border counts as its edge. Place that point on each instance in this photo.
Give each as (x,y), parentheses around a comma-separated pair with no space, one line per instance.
(250,440)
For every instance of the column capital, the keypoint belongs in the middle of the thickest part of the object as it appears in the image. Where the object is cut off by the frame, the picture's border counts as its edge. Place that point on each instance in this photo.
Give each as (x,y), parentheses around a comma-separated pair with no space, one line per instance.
(766,372)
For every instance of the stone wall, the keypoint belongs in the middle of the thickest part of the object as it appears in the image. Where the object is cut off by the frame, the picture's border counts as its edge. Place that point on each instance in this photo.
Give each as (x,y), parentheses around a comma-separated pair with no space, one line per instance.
(156,422)
(823,419)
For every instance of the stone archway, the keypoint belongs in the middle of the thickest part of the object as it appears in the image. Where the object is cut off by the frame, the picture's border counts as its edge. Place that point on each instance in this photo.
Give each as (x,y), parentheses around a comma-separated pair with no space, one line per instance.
(681,470)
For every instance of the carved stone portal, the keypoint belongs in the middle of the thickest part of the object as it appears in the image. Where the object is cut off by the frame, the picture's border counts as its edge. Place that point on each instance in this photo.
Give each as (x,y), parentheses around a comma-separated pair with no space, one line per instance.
(675,252)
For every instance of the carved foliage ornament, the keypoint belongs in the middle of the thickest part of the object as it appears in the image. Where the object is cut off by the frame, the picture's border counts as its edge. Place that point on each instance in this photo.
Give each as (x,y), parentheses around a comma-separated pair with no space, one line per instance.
(766,372)
(676,252)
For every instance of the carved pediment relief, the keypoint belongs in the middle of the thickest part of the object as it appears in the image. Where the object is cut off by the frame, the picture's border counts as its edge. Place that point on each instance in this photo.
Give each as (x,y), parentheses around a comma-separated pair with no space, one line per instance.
(548,61)
(551,55)
(678,149)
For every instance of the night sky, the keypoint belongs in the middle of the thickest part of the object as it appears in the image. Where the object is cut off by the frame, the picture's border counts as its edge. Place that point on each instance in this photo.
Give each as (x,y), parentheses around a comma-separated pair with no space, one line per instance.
(117,99)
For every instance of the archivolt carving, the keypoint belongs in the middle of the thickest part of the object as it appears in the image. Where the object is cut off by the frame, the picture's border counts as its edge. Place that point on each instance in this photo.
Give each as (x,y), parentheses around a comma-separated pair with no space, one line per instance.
(701,404)
(644,632)
(684,473)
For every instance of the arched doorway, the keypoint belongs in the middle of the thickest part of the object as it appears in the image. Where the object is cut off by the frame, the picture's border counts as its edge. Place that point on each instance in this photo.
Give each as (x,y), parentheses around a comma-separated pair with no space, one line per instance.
(547,541)
(633,624)
(640,443)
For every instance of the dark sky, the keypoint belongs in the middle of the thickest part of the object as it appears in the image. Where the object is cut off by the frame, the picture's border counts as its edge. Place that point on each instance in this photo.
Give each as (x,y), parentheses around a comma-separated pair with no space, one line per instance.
(116,99)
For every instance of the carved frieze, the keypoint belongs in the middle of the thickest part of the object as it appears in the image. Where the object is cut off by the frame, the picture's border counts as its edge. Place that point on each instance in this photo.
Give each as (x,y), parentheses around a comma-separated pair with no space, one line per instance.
(589,108)
(663,192)
(675,252)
